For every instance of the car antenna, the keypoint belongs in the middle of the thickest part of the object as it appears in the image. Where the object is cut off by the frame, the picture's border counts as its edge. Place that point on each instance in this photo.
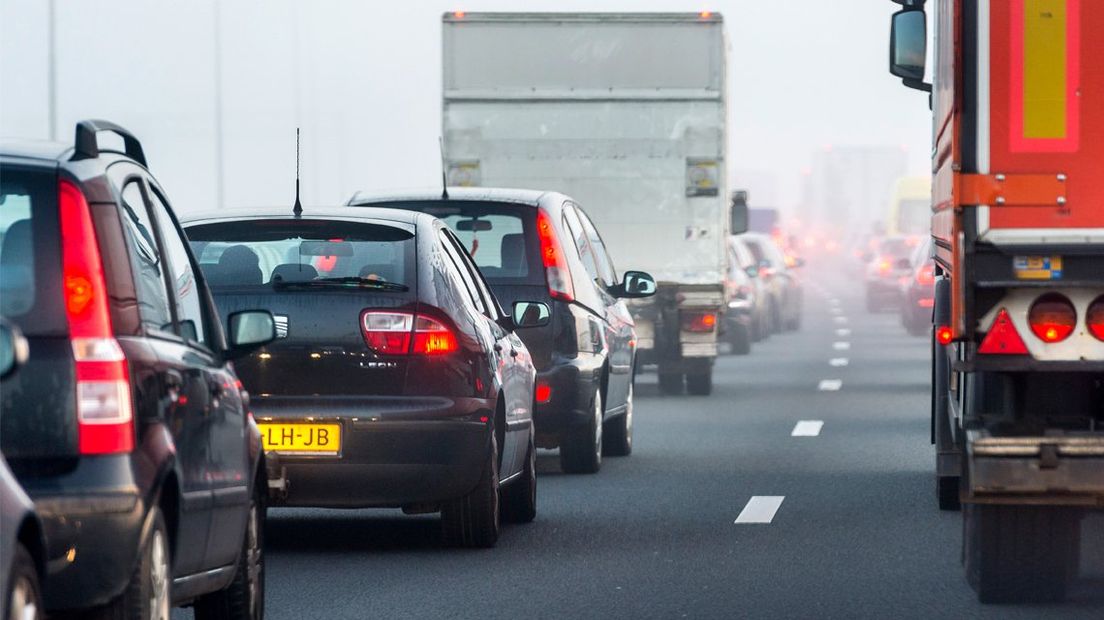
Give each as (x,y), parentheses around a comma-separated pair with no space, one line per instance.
(444,169)
(297,210)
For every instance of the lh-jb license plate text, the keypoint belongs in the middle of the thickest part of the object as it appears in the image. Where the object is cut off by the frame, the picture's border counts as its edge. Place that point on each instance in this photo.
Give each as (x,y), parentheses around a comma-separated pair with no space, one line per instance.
(301,438)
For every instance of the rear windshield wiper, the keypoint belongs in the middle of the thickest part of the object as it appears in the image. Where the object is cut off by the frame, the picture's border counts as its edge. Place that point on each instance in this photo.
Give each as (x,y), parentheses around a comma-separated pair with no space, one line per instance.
(349,281)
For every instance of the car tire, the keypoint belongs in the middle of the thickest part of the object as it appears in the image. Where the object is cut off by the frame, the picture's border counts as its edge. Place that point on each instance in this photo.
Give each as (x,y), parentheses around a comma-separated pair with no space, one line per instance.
(741,341)
(581,449)
(519,499)
(1018,554)
(618,434)
(670,383)
(148,595)
(947,492)
(473,521)
(24,591)
(243,599)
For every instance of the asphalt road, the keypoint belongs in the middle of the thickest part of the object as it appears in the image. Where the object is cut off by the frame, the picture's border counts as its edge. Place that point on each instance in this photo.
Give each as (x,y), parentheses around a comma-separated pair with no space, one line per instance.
(655,535)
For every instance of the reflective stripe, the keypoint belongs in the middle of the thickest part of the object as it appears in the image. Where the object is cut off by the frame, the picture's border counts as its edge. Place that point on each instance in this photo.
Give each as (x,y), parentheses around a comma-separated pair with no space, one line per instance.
(1045,73)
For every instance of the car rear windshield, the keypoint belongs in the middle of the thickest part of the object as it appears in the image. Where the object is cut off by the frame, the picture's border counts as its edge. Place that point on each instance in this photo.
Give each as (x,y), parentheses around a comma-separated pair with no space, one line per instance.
(502,238)
(30,261)
(304,254)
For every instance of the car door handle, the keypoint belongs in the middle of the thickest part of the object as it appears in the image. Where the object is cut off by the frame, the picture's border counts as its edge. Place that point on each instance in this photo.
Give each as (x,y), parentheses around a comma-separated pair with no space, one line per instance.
(514,353)
(498,348)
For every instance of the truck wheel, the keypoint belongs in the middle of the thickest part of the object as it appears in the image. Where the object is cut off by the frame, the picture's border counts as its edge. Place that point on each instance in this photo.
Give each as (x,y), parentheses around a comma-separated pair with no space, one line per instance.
(947,492)
(243,599)
(670,382)
(946,482)
(581,450)
(473,520)
(148,595)
(24,591)
(519,499)
(1018,554)
(700,384)
(617,435)
(741,341)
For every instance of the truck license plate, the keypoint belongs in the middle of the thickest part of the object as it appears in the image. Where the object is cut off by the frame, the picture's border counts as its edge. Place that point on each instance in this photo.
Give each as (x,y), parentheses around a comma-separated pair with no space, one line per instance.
(302,439)
(1037,267)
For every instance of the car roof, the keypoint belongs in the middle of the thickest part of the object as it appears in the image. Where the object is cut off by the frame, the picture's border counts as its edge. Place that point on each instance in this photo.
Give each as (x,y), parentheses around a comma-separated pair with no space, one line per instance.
(34,149)
(397,216)
(529,197)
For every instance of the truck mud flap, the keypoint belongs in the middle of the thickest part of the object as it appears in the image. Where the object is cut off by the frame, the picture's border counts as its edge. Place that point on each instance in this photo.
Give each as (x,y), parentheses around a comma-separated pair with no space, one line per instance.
(1035,470)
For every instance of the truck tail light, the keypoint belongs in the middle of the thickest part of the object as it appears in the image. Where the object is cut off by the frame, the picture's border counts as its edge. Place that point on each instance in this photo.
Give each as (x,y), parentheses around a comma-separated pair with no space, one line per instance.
(944,335)
(926,275)
(1095,318)
(1003,339)
(543,393)
(1052,318)
(105,416)
(556,270)
(404,333)
(699,322)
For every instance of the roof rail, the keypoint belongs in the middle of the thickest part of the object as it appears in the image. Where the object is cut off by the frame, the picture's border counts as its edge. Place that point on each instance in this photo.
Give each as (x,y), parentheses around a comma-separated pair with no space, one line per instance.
(86,146)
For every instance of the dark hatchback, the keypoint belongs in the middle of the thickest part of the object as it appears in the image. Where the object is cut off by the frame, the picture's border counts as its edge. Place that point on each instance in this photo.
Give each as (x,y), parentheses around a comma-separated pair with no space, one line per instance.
(534,245)
(127,426)
(396,379)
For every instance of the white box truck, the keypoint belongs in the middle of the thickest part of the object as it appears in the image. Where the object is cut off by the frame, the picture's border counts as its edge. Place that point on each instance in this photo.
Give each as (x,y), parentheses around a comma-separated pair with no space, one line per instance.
(626,114)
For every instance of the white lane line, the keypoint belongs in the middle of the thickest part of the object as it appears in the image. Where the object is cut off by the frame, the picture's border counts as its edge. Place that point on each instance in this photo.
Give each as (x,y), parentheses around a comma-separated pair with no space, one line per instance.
(807,428)
(838,362)
(841,346)
(842,320)
(830,385)
(833,302)
(843,332)
(835,310)
(760,509)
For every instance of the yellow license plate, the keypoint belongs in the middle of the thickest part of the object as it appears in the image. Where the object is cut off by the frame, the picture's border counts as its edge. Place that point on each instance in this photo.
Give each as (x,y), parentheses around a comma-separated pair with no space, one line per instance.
(301,438)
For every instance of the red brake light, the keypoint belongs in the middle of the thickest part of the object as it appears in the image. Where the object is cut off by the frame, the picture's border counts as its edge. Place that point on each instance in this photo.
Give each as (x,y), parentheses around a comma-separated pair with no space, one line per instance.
(105,417)
(926,275)
(884,265)
(1095,318)
(403,333)
(701,322)
(543,393)
(944,335)
(556,269)
(1052,318)
(1003,339)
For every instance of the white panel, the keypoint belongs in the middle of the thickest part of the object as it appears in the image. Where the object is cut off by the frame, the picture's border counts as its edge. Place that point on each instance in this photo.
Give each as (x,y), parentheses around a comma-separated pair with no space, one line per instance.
(983,112)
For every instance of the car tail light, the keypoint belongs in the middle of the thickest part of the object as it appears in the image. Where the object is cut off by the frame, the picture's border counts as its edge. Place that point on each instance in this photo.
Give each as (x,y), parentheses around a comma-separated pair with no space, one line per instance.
(1052,318)
(403,333)
(884,266)
(699,321)
(926,275)
(105,416)
(543,393)
(556,269)
(1095,318)
(1003,339)
(944,335)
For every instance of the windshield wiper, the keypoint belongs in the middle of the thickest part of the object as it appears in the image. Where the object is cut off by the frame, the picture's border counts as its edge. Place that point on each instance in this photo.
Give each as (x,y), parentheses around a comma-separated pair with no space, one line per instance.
(349,281)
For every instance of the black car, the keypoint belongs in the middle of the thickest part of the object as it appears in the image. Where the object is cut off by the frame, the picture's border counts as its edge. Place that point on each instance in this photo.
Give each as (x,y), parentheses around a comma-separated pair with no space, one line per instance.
(22,547)
(127,426)
(541,246)
(396,380)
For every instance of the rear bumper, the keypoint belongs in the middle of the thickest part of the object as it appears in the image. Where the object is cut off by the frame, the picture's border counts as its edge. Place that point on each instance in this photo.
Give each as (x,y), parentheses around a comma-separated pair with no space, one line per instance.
(573,382)
(1039,470)
(394,451)
(92,536)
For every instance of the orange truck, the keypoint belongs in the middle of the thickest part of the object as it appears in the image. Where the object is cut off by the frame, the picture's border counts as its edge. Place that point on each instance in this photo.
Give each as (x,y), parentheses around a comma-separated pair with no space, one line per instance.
(1017,94)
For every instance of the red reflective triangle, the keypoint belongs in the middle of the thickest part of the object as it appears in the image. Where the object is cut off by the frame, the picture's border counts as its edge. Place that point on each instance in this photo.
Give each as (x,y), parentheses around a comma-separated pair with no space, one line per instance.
(1003,339)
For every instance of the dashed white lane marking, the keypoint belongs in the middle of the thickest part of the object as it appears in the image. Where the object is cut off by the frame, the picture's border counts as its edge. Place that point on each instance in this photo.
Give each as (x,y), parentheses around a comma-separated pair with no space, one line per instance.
(807,428)
(835,310)
(760,509)
(842,320)
(843,332)
(833,302)
(838,362)
(830,385)
(841,346)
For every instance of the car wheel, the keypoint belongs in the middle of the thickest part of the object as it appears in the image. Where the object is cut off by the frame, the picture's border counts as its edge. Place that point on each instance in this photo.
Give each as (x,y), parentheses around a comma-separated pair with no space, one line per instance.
(741,341)
(700,384)
(670,382)
(243,599)
(148,596)
(24,591)
(473,520)
(519,499)
(581,450)
(617,440)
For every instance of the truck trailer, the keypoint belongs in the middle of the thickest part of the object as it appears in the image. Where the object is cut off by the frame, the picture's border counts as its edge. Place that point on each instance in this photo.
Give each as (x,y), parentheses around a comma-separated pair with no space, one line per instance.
(1017,224)
(625,113)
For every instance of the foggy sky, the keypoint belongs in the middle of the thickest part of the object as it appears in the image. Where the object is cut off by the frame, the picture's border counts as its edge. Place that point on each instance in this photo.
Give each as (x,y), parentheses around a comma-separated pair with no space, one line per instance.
(363,81)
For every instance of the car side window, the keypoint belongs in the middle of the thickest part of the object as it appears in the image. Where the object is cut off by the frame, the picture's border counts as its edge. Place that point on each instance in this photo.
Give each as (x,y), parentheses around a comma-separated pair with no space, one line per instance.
(477,277)
(465,278)
(582,246)
(601,255)
(189,308)
(150,284)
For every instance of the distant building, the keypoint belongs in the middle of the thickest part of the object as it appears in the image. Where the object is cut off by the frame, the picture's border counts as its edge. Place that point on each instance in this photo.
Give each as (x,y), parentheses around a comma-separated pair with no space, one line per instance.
(851,185)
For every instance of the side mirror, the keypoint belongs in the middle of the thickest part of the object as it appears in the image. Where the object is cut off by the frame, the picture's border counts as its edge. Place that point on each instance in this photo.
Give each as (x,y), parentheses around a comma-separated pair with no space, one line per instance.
(13,349)
(753,271)
(738,217)
(250,329)
(908,47)
(636,284)
(531,314)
